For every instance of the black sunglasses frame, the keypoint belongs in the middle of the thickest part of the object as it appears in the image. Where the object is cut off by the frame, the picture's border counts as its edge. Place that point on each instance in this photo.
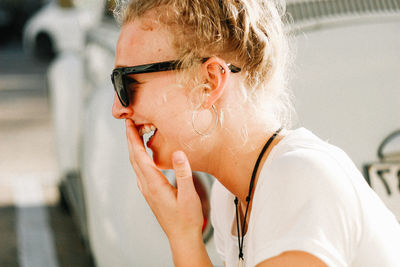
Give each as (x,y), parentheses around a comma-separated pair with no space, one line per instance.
(119,81)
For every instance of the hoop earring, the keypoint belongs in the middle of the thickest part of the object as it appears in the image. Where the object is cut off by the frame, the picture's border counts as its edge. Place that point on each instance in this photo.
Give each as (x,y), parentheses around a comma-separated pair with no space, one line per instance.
(214,109)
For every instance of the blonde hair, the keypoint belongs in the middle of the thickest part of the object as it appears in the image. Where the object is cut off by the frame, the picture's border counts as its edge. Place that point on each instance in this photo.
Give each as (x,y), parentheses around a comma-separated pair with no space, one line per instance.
(249,34)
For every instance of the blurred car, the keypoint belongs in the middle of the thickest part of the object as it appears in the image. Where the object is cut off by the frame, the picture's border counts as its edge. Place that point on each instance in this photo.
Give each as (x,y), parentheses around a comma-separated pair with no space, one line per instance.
(98,181)
(60,26)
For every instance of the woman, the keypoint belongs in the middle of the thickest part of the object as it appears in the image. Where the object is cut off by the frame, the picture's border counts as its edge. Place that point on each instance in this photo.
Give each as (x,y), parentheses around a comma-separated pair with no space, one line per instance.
(207,78)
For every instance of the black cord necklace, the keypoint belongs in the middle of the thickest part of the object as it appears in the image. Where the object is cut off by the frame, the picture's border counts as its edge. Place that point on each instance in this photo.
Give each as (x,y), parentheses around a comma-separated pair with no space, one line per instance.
(248,198)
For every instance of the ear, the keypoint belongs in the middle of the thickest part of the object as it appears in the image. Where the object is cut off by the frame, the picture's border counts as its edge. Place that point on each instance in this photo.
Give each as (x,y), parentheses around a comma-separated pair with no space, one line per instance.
(216,72)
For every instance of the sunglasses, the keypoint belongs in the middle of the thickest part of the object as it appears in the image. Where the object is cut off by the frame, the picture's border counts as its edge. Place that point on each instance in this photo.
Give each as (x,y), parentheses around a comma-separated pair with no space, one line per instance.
(120,81)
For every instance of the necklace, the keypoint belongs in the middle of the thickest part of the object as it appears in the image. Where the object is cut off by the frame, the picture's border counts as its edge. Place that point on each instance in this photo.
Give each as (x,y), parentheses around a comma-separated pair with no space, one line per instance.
(248,198)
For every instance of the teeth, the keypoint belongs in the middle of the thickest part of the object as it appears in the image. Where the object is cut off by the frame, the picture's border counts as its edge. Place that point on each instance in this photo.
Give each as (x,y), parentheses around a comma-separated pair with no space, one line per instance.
(147,129)
(146,136)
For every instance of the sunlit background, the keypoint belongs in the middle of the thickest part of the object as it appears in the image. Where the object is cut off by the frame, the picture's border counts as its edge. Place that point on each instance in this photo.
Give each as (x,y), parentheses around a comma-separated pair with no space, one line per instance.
(68,196)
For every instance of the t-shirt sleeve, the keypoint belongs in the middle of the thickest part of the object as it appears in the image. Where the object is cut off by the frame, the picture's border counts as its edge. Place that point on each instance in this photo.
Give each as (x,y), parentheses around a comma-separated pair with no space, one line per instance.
(306,202)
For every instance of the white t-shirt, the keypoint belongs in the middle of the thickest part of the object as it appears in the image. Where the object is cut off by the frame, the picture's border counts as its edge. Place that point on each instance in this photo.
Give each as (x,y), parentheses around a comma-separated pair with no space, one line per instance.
(309,197)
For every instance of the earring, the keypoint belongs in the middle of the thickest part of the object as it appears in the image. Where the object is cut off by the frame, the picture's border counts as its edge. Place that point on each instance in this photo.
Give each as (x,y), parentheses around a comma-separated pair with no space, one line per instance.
(222,69)
(214,110)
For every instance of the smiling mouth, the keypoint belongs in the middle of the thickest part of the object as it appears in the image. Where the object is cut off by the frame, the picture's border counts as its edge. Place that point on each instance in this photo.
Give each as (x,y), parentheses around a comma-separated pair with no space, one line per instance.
(147,132)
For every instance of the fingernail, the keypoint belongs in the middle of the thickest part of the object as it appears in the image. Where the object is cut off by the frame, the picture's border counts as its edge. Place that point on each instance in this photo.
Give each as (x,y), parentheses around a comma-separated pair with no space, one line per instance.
(178,157)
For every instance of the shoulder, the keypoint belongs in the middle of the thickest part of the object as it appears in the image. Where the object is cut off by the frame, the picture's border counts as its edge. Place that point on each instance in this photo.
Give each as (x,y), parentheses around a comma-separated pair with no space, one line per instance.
(310,182)
(305,200)
(305,163)
(308,179)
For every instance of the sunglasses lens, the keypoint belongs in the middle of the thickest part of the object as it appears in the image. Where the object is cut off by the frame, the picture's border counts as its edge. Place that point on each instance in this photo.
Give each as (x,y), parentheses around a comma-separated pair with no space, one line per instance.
(120,88)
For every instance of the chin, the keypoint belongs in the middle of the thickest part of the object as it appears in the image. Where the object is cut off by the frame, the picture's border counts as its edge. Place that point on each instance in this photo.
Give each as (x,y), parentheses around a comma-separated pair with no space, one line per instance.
(162,162)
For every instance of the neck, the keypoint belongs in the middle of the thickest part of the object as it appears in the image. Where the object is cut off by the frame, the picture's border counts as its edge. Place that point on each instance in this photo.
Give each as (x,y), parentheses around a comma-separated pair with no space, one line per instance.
(234,168)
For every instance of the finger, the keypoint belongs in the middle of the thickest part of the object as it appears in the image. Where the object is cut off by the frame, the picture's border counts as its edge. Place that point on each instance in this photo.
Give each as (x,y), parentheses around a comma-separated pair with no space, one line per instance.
(137,151)
(131,135)
(183,174)
(143,164)
(139,185)
(135,142)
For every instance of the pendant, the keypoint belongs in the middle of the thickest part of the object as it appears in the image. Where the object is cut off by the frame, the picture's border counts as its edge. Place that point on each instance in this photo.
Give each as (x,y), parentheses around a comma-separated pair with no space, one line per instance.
(240,263)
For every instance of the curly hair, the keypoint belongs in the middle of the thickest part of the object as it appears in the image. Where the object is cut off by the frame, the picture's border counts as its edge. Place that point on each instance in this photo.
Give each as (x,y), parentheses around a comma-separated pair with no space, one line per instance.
(247,33)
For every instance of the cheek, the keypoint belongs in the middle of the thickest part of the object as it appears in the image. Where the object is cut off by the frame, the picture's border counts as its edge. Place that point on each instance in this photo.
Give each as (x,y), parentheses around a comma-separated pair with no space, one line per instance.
(175,129)
(173,113)
(176,126)
(173,105)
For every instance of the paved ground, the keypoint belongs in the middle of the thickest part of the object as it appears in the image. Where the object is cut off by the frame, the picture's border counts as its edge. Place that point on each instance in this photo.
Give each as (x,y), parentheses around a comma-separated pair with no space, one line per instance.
(34,230)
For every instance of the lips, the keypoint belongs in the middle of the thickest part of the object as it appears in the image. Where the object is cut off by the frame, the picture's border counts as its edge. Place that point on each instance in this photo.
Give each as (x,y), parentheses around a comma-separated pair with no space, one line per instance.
(147,132)
(151,138)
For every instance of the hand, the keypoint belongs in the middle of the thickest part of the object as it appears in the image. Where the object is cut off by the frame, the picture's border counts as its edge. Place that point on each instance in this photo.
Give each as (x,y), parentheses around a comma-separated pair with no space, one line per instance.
(178,210)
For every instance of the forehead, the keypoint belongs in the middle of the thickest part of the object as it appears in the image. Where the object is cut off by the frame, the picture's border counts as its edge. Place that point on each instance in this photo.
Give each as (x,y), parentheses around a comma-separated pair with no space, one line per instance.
(143,42)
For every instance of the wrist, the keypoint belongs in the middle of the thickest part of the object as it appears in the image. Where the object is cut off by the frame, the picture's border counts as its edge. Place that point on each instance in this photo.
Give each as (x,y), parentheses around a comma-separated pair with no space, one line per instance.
(189,250)
(186,241)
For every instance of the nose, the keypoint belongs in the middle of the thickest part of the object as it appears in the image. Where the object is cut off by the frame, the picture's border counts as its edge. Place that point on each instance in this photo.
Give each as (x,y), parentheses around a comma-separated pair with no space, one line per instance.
(119,111)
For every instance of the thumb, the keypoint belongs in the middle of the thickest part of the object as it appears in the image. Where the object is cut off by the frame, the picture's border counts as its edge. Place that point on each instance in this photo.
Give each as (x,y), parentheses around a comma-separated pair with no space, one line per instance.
(183,174)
